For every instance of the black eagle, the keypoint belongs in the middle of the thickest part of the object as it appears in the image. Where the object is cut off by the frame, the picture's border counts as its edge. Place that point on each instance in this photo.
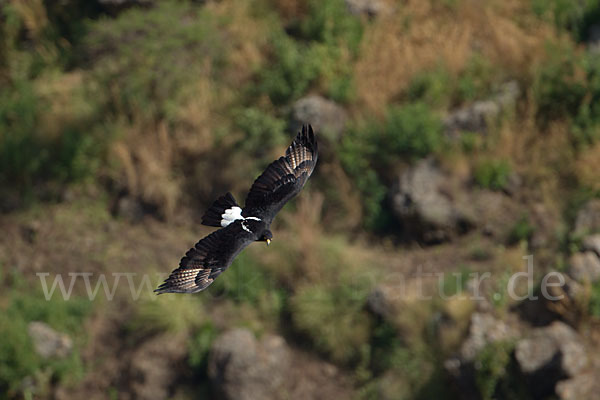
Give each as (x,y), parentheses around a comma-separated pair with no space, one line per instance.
(282,180)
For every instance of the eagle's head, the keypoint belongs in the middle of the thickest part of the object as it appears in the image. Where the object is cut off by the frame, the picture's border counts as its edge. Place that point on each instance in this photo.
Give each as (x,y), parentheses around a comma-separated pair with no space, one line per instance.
(266,236)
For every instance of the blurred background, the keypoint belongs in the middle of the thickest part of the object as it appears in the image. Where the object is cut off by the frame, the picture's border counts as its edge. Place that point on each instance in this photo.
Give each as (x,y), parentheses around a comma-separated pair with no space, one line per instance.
(456,138)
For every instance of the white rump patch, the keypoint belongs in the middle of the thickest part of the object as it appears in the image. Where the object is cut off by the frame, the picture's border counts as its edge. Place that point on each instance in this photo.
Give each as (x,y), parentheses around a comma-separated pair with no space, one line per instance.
(244,227)
(230,215)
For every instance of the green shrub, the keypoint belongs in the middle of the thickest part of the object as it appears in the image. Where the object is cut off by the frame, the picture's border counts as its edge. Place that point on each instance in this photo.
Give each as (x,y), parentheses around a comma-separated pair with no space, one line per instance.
(594,304)
(330,22)
(356,155)
(470,141)
(522,230)
(146,59)
(28,156)
(371,148)
(22,155)
(18,359)
(291,72)
(414,365)
(433,88)
(173,314)
(333,319)
(493,361)
(567,86)
(318,49)
(411,131)
(575,16)
(262,131)
(558,87)
(492,174)
(476,80)
(199,346)
(247,281)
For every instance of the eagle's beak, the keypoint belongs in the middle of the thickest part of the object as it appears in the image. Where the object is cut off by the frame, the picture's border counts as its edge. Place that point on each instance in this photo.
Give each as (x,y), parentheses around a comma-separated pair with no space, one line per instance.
(268,241)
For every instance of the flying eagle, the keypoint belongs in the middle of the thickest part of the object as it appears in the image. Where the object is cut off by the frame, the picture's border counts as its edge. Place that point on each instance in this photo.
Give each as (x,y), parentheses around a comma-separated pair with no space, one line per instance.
(281,181)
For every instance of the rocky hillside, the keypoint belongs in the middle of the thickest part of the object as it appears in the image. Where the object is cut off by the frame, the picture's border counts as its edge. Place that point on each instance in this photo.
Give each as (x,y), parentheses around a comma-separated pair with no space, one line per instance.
(447,245)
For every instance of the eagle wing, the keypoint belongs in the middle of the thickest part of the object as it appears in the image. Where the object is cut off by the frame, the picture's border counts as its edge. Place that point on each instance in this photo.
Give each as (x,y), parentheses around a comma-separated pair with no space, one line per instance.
(284,178)
(206,260)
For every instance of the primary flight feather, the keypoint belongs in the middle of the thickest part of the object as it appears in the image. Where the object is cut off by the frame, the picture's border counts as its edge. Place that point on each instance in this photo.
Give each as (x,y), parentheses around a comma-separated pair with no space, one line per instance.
(281,181)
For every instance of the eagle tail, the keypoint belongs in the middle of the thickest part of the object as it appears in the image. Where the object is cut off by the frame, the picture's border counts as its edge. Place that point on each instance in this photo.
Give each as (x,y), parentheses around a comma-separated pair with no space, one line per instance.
(222,212)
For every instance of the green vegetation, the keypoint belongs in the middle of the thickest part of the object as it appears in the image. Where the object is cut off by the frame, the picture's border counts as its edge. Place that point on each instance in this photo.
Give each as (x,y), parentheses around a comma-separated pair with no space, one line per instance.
(322,42)
(521,231)
(492,174)
(18,359)
(130,54)
(333,319)
(567,86)
(595,301)
(165,106)
(369,151)
(494,361)
(575,17)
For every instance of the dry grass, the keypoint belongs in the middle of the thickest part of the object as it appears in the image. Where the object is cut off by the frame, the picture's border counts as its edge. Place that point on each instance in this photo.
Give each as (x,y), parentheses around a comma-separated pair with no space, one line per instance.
(290,9)
(33,14)
(146,157)
(587,167)
(246,37)
(152,157)
(424,34)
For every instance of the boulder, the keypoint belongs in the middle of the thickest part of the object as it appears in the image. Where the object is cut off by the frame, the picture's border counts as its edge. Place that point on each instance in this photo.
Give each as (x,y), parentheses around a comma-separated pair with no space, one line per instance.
(588,218)
(371,8)
(592,243)
(422,203)
(584,266)
(548,355)
(326,116)
(379,301)
(582,387)
(241,367)
(484,329)
(49,343)
(155,367)
(129,208)
(481,114)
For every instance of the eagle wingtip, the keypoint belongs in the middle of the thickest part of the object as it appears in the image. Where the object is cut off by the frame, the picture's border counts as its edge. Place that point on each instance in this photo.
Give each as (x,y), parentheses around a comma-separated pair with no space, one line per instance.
(307,137)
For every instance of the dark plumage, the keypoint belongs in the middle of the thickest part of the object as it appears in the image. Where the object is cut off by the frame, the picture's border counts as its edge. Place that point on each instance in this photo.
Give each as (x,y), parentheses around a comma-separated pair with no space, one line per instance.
(281,181)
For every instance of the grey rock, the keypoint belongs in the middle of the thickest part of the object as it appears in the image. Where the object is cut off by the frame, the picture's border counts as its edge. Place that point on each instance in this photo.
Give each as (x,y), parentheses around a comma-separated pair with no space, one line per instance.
(150,379)
(129,208)
(49,343)
(593,39)
(549,355)
(584,266)
(241,367)
(556,346)
(371,8)
(421,203)
(592,243)
(324,115)
(484,329)
(588,218)
(379,302)
(582,387)
(481,114)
